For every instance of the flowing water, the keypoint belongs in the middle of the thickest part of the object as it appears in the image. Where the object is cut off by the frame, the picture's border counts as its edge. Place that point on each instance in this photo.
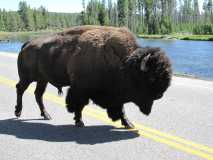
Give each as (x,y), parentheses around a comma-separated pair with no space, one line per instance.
(188,57)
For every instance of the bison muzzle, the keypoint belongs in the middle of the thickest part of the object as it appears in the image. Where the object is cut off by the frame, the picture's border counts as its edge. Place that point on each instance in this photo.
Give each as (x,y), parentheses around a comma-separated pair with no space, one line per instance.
(104,64)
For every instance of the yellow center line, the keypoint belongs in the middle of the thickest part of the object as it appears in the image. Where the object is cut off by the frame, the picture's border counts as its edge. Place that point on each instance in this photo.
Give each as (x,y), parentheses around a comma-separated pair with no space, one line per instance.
(178,143)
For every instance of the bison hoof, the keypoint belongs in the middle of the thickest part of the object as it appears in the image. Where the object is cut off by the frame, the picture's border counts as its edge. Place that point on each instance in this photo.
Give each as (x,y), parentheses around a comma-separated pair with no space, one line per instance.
(46,116)
(79,124)
(18,110)
(17,114)
(128,125)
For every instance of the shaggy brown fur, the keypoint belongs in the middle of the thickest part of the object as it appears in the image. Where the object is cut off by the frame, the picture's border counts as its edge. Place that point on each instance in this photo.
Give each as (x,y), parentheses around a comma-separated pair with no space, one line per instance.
(104,64)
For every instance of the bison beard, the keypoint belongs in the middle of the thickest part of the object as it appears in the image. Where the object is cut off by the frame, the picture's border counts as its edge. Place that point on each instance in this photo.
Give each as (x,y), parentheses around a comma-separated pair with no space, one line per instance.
(104,64)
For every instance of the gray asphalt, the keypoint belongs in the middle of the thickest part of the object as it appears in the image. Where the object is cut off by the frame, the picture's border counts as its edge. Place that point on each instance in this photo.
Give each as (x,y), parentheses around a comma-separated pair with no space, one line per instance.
(186,111)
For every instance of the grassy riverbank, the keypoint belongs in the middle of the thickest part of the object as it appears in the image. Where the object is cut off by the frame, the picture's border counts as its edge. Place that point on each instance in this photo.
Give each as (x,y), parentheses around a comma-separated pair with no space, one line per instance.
(23,36)
(180,37)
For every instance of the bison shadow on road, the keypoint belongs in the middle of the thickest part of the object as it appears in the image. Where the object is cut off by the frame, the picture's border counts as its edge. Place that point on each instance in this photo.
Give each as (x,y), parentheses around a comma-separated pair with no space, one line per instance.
(26,129)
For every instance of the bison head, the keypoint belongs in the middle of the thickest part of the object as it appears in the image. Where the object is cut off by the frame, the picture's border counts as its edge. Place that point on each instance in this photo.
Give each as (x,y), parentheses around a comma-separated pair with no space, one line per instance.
(149,73)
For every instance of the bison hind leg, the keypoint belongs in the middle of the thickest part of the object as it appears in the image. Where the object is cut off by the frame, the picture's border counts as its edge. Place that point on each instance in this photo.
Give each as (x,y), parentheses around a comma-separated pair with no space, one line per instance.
(60,92)
(69,104)
(21,86)
(39,91)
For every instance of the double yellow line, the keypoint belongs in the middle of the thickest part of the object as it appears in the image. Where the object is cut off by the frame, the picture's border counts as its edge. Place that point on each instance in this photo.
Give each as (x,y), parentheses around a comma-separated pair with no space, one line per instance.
(178,143)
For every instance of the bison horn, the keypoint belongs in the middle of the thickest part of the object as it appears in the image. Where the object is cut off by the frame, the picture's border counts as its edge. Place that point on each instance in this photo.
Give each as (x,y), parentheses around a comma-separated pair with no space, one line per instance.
(144,62)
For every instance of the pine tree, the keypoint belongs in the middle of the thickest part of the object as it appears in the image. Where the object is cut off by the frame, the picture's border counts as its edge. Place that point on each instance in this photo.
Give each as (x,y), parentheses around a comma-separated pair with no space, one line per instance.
(115,15)
(122,12)
(12,24)
(26,15)
(140,5)
(23,13)
(131,14)
(148,8)
(110,12)
(83,14)
(102,14)
(5,20)
(1,21)
(44,17)
(196,12)
(208,10)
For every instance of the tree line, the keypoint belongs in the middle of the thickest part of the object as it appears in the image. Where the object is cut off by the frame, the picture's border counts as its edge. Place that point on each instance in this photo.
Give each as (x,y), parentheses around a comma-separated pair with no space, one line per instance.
(35,19)
(151,16)
(140,16)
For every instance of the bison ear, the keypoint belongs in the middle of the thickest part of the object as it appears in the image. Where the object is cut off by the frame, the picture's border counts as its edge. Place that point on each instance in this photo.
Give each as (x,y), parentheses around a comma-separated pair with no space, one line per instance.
(144,66)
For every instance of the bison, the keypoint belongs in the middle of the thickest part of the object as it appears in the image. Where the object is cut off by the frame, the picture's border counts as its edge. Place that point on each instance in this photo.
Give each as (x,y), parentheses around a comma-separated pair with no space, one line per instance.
(104,64)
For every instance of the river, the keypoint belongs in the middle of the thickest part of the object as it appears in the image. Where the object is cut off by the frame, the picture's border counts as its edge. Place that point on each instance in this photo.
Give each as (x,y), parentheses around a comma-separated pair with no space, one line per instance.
(188,57)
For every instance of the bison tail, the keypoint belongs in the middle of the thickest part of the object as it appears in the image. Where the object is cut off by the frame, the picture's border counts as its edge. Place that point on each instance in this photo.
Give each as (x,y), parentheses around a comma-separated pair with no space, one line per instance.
(60,92)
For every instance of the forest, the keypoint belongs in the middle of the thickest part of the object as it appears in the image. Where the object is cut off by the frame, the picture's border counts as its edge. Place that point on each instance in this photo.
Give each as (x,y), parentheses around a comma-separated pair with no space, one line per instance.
(140,16)
(35,19)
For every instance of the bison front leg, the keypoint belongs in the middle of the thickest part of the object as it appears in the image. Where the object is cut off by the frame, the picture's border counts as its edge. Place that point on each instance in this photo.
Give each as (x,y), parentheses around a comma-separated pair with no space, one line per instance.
(116,113)
(78,117)
(75,102)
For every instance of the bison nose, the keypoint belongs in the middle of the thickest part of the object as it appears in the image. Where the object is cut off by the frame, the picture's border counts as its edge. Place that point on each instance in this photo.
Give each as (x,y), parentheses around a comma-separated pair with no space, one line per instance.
(159,96)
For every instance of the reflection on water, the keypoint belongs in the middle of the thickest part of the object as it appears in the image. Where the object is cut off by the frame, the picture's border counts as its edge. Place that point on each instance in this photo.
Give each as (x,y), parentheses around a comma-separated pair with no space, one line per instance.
(189,57)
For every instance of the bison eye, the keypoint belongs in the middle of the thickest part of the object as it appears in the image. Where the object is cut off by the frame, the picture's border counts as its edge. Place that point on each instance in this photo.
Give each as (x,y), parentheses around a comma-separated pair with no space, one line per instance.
(152,79)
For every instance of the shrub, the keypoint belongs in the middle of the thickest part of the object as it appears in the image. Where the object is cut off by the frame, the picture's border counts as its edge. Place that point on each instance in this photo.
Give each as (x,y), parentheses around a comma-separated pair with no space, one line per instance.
(203,29)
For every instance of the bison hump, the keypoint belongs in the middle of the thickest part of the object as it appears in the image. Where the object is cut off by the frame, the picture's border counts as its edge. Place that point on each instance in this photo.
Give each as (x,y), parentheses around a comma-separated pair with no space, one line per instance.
(120,40)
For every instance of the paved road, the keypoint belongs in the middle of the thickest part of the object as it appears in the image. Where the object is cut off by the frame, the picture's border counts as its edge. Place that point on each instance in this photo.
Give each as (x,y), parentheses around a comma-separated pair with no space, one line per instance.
(180,126)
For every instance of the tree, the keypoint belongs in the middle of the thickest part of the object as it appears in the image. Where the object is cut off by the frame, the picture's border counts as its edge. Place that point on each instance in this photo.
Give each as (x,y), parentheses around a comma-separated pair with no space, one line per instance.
(2,26)
(115,14)
(132,15)
(166,16)
(110,12)
(4,20)
(12,24)
(148,8)
(140,5)
(44,17)
(26,15)
(83,14)
(196,12)
(92,12)
(208,11)
(187,10)
(102,14)
(122,12)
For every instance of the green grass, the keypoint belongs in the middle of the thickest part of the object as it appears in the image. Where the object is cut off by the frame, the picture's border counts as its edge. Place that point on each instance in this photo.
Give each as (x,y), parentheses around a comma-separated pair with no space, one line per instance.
(179,36)
(185,75)
(23,36)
